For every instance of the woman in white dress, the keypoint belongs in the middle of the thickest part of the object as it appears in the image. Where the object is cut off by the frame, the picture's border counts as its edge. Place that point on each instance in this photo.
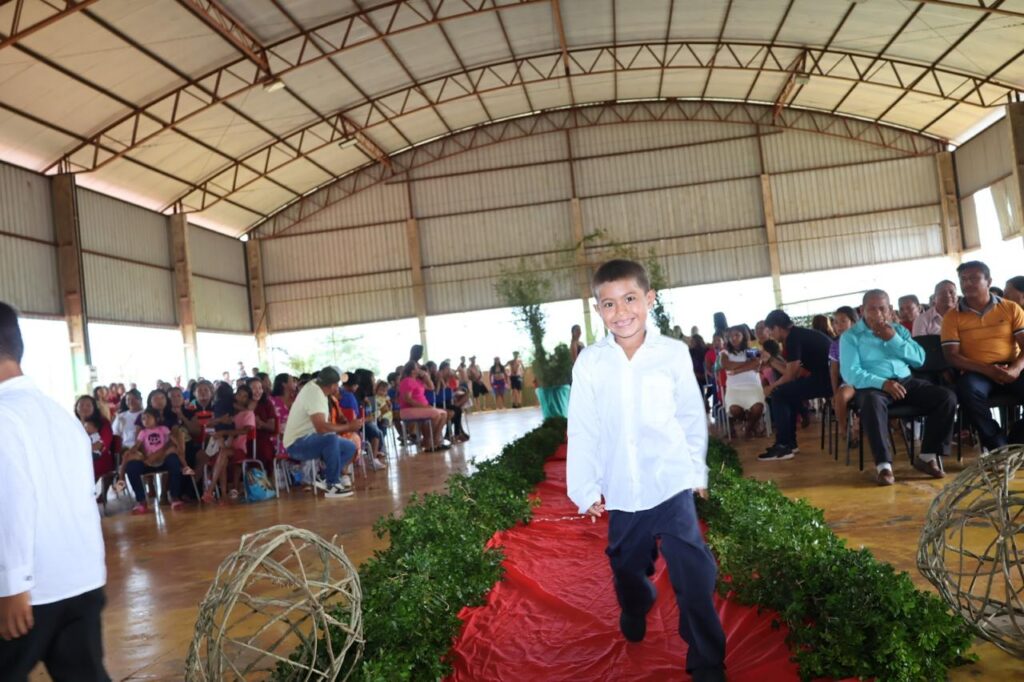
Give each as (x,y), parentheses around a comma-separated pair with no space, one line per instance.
(744,396)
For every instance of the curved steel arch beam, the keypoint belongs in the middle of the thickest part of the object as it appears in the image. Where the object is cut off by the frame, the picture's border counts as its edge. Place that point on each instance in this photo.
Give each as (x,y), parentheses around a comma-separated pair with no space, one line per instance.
(322,42)
(568,118)
(549,67)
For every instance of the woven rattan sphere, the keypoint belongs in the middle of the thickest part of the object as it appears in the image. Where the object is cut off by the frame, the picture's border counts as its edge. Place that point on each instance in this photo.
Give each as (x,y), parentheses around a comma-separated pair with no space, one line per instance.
(285,594)
(972,547)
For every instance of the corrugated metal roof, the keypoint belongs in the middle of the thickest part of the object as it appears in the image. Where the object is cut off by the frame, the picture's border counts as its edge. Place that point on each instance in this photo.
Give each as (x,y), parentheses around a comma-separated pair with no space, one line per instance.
(687,165)
(117,291)
(674,212)
(496,234)
(630,136)
(339,301)
(115,228)
(335,254)
(25,203)
(28,276)
(379,204)
(984,158)
(848,250)
(533,149)
(220,306)
(881,186)
(470,286)
(216,255)
(492,189)
(794,149)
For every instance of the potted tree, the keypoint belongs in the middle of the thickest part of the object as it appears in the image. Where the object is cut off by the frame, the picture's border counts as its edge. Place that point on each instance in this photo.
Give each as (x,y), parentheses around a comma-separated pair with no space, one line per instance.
(524,290)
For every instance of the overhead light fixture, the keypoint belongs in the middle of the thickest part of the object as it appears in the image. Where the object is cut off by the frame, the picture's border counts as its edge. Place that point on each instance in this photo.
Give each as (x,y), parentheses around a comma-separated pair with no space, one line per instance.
(274,85)
(348,143)
(244,238)
(802,78)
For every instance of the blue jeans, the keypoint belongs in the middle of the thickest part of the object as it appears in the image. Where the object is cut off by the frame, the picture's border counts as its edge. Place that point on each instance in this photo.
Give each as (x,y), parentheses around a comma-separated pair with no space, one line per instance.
(334,450)
(973,389)
(632,542)
(373,431)
(135,469)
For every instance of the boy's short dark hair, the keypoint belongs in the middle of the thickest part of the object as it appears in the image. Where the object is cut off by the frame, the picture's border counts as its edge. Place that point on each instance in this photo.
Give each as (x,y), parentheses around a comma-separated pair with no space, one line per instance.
(11,344)
(778,318)
(620,268)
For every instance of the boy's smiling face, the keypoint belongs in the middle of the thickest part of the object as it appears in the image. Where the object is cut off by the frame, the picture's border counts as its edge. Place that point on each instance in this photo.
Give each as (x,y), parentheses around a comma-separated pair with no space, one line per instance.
(623,305)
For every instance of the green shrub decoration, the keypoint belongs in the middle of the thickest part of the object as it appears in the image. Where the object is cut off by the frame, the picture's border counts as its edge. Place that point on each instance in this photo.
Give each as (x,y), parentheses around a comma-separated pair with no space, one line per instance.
(849,614)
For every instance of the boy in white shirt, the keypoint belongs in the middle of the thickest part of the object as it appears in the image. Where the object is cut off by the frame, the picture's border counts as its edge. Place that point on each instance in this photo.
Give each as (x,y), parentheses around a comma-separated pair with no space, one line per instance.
(638,437)
(126,424)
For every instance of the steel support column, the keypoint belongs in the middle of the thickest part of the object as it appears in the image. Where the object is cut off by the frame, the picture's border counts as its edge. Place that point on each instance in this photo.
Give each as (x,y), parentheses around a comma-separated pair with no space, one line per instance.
(419,291)
(72,277)
(182,264)
(1015,117)
(952,239)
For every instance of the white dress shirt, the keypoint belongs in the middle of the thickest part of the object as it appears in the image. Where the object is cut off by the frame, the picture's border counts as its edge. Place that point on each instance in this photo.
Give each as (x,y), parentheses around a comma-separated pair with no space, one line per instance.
(638,433)
(51,542)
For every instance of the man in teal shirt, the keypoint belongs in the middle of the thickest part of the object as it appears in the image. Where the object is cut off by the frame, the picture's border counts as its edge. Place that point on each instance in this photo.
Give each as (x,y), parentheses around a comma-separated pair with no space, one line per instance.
(875,358)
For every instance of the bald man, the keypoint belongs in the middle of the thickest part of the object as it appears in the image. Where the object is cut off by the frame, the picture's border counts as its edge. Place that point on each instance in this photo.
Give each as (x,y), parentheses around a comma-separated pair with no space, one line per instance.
(876,357)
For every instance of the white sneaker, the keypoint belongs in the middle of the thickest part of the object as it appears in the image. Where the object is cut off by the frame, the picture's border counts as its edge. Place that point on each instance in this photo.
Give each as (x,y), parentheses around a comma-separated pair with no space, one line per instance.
(321,483)
(346,482)
(377,464)
(339,491)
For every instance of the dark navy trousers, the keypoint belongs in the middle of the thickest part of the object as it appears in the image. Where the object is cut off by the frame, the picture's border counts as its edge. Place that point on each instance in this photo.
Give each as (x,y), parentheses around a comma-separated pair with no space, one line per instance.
(632,542)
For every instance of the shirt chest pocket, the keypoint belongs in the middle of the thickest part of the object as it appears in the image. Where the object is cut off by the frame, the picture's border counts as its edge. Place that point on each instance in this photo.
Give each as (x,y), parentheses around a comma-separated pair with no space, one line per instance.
(657,399)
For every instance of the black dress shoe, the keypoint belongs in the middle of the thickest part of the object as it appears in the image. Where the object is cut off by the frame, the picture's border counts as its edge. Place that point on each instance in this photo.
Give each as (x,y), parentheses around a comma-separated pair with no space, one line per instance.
(634,628)
(708,675)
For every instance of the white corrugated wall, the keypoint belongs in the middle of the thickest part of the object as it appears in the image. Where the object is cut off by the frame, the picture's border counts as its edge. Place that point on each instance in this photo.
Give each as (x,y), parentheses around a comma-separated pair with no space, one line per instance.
(126,261)
(219,288)
(984,159)
(28,252)
(688,190)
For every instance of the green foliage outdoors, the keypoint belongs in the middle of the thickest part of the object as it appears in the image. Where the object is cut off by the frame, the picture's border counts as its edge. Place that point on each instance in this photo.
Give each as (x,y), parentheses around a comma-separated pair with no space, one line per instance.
(849,614)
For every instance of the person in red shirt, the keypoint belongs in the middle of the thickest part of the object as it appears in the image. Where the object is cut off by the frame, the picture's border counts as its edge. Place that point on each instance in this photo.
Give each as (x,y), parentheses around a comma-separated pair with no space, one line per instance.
(910,308)
(98,427)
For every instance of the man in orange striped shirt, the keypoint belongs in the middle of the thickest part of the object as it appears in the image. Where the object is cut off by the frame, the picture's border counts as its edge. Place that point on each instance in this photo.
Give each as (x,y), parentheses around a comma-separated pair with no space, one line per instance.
(983,337)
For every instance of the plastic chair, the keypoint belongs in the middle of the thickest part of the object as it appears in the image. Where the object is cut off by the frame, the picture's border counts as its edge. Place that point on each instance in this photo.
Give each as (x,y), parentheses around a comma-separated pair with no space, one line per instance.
(420,424)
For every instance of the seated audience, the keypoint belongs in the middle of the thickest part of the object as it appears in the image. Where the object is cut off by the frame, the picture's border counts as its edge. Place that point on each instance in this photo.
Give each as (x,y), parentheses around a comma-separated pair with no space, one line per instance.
(842,392)
(352,409)
(929,323)
(983,337)
(1014,290)
(309,436)
(154,451)
(452,398)
(412,399)
(822,324)
(281,397)
(876,359)
(266,423)
(384,414)
(126,425)
(805,376)
(89,412)
(744,396)
(910,309)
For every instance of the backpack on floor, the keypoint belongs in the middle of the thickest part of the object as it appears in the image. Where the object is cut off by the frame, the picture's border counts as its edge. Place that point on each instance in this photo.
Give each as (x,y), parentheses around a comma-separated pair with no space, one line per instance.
(257,487)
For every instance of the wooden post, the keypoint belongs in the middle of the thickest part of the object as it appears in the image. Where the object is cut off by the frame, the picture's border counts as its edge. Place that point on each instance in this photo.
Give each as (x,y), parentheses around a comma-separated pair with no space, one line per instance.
(182,264)
(1015,117)
(71,276)
(419,292)
(257,299)
(952,239)
(773,240)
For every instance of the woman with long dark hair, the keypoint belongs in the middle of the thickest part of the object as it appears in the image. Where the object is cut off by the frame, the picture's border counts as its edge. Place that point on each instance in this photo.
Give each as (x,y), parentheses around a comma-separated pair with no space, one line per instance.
(100,433)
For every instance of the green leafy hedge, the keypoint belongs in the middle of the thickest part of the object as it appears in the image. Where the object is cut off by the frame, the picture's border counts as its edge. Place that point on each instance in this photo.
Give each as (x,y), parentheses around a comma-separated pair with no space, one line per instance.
(849,614)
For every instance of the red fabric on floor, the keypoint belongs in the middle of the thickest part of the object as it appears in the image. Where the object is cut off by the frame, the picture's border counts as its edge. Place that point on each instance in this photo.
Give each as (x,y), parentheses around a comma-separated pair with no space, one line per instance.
(555,616)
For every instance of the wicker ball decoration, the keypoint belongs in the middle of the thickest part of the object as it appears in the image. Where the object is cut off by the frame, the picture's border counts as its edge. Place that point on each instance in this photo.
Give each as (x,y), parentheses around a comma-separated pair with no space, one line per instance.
(285,593)
(972,547)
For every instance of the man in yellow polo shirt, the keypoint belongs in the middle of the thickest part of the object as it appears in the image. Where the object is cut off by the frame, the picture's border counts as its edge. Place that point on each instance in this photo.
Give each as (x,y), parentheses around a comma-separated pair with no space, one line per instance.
(983,337)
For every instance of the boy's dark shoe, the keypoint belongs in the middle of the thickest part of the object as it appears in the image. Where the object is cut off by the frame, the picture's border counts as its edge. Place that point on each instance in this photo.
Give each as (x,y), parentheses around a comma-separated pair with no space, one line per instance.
(777,453)
(708,675)
(634,628)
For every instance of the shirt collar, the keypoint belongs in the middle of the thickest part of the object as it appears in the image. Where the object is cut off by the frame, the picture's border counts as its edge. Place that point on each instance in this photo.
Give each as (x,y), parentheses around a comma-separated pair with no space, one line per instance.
(993,300)
(16,383)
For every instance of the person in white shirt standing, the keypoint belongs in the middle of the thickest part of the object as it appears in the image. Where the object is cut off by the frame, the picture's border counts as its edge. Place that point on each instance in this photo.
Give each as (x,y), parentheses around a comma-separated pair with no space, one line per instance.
(638,437)
(52,568)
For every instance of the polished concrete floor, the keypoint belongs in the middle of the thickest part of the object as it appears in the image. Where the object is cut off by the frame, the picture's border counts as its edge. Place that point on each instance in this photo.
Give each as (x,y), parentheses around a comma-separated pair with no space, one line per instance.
(160,565)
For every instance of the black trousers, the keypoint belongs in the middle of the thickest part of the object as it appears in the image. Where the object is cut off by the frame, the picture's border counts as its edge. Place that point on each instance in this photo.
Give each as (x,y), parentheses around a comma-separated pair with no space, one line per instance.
(632,538)
(938,402)
(787,404)
(67,637)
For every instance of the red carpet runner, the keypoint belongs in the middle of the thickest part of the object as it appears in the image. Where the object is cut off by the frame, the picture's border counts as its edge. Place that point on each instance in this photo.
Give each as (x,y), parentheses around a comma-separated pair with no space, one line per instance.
(555,617)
